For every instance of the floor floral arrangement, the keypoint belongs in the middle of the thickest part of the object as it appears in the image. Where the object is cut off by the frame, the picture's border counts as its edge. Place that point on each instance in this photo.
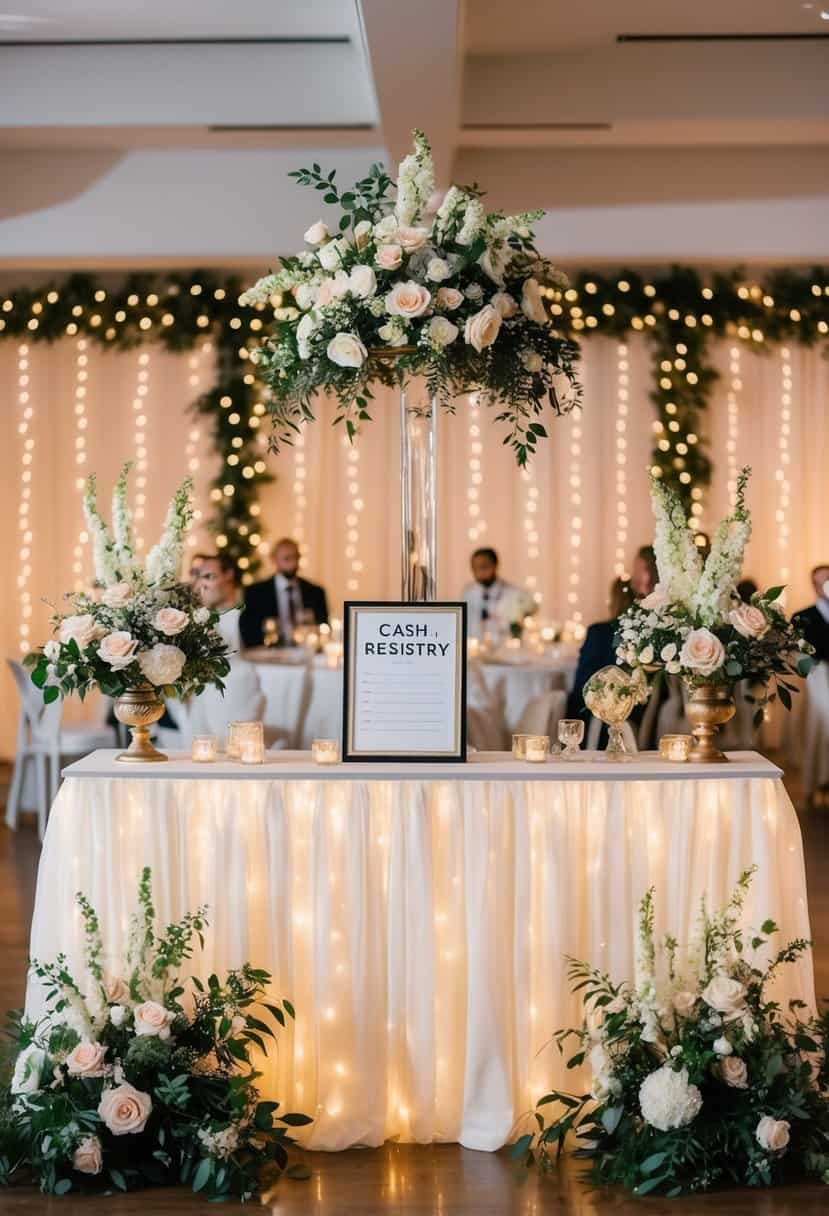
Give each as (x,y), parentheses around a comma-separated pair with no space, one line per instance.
(142,626)
(694,624)
(413,282)
(144,1078)
(698,1078)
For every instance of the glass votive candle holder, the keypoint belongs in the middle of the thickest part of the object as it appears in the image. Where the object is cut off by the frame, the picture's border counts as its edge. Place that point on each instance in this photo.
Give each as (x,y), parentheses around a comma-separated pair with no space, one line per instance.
(252,750)
(519,747)
(232,740)
(570,734)
(325,751)
(536,749)
(675,747)
(203,749)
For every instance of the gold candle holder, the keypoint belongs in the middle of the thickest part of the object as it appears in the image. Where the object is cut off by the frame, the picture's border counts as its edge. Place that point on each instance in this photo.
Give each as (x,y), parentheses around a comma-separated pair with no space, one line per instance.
(676,748)
(203,749)
(537,748)
(325,751)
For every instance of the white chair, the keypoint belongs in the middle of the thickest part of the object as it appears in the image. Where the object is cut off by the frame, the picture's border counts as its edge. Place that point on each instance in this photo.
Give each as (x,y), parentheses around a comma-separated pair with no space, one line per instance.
(815,764)
(485,731)
(542,714)
(243,700)
(42,739)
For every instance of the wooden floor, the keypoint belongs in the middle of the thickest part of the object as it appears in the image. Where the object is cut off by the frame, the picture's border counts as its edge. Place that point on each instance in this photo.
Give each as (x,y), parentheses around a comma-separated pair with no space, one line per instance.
(443,1180)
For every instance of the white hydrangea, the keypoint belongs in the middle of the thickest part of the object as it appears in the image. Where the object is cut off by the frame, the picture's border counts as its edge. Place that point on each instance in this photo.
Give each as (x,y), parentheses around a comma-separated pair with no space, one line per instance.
(162,664)
(668,1100)
(221,1144)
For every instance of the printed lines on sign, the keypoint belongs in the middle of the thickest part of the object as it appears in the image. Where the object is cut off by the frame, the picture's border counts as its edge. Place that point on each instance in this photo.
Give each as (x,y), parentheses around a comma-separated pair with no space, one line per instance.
(24,429)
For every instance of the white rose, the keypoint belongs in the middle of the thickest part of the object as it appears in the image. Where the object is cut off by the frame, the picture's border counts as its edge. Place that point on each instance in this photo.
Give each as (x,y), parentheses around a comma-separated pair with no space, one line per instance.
(438,270)
(27,1069)
(657,599)
(316,234)
(749,621)
(722,1047)
(117,595)
(482,328)
(88,1157)
(411,239)
(125,1110)
(532,362)
(87,1059)
(339,285)
(725,995)
(306,327)
(702,651)
(386,229)
(449,298)
(362,234)
(772,1134)
(668,652)
(667,1099)
(117,1014)
(646,655)
(734,1072)
(389,257)
(506,305)
(393,332)
(118,649)
(201,616)
(474,291)
(362,282)
(170,621)
(441,331)
(329,256)
(52,651)
(532,303)
(346,350)
(407,300)
(81,629)
(153,1019)
(305,296)
(673,668)
(162,664)
(684,1003)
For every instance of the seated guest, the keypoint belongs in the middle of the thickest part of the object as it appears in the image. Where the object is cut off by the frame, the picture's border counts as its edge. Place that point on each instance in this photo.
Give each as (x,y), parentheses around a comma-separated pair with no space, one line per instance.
(493,604)
(194,573)
(290,600)
(814,621)
(219,588)
(746,588)
(597,650)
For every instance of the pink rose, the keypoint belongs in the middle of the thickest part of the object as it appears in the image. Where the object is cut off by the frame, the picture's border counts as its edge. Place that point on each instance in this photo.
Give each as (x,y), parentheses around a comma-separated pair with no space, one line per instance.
(505,304)
(88,1157)
(749,621)
(152,1019)
(449,298)
(117,595)
(702,652)
(734,1072)
(412,239)
(118,649)
(170,621)
(125,1110)
(482,329)
(657,599)
(87,1059)
(389,257)
(684,1003)
(532,304)
(407,300)
(80,628)
(116,989)
(772,1134)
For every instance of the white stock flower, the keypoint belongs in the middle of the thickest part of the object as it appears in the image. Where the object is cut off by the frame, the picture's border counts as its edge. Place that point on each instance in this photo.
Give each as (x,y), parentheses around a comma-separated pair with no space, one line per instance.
(80,629)
(52,650)
(307,326)
(438,270)
(362,282)
(316,234)
(772,1134)
(702,652)
(473,222)
(441,331)
(667,1099)
(117,596)
(346,350)
(407,300)
(532,303)
(27,1069)
(162,664)
(482,328)
(118,649)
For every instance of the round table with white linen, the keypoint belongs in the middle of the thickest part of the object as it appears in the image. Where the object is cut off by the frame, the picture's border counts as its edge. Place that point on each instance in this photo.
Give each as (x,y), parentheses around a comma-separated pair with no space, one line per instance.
(418,916)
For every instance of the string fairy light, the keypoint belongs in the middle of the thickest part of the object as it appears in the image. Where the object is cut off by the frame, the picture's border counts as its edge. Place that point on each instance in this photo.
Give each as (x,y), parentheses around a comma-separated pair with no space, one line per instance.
(81,423)
(622,409)
(24,429)
(301,502)
(476,526)
(139,406)
(784,460)
(576,522)
(195,379)
(735,385)
(531,530)
(352,519)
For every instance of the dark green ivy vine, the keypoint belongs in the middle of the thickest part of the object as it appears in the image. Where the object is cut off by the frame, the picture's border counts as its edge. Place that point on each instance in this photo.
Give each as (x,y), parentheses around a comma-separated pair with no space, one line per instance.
(678,312)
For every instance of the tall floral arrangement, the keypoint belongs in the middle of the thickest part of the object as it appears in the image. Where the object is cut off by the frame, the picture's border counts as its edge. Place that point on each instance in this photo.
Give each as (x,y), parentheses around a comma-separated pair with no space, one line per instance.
(694,624)
(698,1077)
(140,625)
(135,1077)
(452,291)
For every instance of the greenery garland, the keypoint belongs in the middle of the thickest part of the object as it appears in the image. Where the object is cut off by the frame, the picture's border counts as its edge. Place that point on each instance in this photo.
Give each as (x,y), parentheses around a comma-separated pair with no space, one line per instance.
(679,311)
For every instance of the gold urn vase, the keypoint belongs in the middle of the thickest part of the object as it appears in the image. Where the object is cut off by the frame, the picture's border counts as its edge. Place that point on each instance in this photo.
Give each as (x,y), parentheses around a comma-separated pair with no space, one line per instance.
(708,708)
(138,708)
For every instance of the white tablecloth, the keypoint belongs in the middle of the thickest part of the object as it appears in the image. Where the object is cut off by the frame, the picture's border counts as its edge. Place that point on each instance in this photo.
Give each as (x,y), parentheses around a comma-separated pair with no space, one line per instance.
(419,917)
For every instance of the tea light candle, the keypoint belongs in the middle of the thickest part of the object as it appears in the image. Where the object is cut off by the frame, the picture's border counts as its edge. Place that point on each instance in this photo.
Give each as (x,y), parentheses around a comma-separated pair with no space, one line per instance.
(252,750)
(204,749)
(536,748)
(325,751)
(519,747)
(675,747)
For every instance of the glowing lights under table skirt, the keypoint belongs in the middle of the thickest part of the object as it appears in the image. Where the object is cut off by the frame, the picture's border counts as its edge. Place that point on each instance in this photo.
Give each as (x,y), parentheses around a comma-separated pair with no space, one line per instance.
(419,925)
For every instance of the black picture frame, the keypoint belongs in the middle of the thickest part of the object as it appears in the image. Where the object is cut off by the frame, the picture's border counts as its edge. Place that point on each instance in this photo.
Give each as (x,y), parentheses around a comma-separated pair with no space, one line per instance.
(349,755)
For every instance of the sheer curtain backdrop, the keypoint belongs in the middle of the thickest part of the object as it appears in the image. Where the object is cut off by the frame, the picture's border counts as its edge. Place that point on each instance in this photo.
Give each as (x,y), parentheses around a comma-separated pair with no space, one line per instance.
(563,528)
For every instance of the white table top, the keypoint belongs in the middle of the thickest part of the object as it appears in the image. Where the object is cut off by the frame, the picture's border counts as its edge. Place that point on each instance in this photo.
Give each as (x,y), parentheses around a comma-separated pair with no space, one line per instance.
(481,766)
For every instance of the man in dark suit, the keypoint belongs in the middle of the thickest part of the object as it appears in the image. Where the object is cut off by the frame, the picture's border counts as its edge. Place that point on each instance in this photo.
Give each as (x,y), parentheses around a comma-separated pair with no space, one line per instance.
(285,598)
(814,621)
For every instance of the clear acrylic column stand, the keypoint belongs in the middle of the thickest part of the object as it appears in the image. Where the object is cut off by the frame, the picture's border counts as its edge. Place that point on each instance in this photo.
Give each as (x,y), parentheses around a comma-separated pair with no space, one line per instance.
(418,475)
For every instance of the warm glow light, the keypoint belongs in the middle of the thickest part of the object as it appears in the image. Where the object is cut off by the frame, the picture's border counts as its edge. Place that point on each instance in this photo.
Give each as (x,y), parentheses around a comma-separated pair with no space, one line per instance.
(622,410)
(783,461)
(24,504)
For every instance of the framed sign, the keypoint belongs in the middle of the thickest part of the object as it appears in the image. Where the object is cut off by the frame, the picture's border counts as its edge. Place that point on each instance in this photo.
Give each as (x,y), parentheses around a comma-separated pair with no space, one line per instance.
(404,691)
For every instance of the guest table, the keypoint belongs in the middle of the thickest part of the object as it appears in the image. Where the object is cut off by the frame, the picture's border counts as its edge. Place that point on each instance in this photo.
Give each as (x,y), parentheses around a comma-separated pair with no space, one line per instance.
(418,915)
